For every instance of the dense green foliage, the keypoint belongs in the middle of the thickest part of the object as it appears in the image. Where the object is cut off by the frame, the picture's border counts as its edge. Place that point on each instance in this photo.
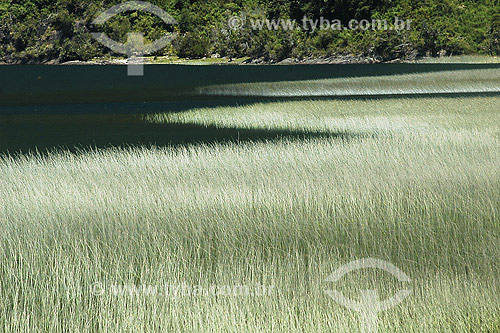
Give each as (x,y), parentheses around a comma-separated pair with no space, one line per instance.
(42,30)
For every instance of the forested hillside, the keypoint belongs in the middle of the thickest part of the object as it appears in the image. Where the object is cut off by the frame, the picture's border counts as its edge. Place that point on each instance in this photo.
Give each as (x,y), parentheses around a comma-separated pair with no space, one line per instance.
(37,31)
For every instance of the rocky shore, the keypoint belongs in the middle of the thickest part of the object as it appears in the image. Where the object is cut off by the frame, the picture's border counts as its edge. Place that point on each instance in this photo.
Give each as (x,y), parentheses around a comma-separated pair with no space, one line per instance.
(347,59)
(216,60)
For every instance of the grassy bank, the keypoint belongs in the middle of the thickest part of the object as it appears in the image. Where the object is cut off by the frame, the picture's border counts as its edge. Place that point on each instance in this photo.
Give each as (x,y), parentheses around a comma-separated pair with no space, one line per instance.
(411,181)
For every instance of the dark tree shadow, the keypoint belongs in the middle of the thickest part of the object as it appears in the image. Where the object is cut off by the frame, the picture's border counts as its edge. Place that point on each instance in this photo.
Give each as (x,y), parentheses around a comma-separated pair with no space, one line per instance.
(23,134)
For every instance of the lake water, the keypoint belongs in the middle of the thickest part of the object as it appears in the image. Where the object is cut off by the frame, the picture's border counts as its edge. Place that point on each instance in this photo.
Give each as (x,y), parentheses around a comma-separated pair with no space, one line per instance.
(77,107)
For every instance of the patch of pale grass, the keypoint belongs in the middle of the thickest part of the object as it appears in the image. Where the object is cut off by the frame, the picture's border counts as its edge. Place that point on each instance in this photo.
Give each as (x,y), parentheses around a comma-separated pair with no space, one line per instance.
(390,115)
(464,81)
(421,191)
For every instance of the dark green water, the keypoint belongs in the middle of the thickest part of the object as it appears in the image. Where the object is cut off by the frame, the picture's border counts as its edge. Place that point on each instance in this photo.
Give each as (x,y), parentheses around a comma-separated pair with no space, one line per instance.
(79,107)
(42,85)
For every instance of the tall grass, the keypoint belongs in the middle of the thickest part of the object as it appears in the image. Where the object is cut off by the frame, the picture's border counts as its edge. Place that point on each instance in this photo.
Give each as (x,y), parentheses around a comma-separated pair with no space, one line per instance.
(465,81)
(416,183)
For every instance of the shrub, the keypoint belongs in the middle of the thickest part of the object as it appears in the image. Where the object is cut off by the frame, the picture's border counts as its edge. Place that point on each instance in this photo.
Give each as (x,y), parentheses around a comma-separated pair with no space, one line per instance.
(192,45)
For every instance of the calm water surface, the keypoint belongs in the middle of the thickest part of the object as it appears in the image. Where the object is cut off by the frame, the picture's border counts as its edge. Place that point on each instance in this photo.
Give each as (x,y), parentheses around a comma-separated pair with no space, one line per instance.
(79,107)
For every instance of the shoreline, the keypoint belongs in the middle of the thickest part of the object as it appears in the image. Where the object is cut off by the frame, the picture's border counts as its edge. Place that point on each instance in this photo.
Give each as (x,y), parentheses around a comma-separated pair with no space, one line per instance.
(215,60)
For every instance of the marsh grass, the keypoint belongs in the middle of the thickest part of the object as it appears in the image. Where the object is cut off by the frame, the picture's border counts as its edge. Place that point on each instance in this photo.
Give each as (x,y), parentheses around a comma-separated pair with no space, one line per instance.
(417,184)
(465,81)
